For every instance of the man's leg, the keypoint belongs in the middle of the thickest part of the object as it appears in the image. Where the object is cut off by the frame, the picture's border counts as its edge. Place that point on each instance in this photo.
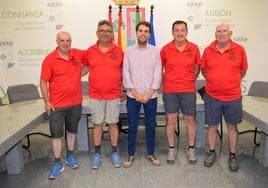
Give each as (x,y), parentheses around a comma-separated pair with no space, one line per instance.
(191,129)
(150,122)
(133,113)
(112,112)
(233,138)
(56,122)
(73,116)
(213,114)
(97,108)
(212,138)
(57,147)
(191,134)
(171,123)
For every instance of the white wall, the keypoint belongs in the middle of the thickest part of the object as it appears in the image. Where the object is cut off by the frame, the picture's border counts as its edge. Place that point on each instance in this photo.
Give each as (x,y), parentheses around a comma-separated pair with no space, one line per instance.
(25,39)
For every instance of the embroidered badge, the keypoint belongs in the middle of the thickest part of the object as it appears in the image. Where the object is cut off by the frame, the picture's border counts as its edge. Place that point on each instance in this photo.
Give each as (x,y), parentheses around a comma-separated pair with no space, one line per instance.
(232,56)
(114,56)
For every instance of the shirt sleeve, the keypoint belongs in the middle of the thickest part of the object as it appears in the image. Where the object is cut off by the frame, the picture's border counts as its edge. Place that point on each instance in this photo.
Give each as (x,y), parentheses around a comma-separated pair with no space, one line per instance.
(46,70)
(244,65)
(127,82)
(157,72)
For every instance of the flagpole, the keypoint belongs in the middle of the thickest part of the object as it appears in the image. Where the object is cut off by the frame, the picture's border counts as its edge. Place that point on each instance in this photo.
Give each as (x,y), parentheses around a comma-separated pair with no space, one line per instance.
(152,37)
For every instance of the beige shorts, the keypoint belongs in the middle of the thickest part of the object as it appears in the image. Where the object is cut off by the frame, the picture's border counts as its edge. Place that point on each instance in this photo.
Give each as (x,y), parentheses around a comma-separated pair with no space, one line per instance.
(104,110)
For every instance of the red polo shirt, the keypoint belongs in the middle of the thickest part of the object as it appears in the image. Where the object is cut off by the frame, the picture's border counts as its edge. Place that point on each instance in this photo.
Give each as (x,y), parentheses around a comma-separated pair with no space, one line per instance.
(223,71)
(179,66)
(64,77)
(104,72)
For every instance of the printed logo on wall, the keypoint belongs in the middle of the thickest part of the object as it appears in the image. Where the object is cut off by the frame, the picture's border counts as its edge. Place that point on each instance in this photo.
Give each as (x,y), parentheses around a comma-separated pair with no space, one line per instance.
(193,12)
(47,16)
(7,55)
(55,14)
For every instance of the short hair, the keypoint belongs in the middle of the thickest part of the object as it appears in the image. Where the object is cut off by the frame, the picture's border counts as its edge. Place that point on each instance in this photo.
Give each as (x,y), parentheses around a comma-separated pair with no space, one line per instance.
(145,23)
(179,22)
(105,22)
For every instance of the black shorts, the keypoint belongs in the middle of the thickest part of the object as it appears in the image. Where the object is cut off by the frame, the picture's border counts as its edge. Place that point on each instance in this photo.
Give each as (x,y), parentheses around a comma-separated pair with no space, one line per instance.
(68,116)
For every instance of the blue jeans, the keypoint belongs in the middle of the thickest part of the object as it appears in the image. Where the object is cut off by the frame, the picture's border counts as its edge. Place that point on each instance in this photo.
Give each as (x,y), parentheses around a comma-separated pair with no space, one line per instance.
(133,114)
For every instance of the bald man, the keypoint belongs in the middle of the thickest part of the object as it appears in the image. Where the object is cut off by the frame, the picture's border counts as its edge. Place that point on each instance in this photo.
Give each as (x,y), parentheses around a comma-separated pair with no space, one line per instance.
(224,64)
(60,83)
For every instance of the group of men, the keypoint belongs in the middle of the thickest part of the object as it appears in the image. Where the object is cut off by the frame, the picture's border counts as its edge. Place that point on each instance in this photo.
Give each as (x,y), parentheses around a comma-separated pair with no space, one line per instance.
(140,71)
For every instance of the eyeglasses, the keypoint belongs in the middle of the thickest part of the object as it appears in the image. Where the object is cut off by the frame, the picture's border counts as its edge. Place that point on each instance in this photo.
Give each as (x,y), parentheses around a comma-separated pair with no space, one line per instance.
(101,31)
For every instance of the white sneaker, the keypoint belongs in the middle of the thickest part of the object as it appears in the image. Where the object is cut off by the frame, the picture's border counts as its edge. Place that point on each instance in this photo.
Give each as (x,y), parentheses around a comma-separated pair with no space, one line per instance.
(171,156)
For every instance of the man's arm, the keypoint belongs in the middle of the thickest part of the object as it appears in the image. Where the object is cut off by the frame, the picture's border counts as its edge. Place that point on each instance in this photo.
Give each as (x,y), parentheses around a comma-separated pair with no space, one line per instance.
(204,73)
(84,70)
(45,95)
(243,73)
(196,70)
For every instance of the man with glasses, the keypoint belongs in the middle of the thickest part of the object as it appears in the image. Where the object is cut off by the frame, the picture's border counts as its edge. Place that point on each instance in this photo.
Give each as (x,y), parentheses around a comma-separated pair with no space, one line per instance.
(180,61)
(224,64)
(104,60)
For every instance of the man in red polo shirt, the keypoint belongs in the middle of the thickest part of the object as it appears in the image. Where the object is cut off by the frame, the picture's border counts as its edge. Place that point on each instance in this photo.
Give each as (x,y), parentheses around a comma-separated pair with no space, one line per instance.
(224,64)
(60,85)
(104,60)
(181,60)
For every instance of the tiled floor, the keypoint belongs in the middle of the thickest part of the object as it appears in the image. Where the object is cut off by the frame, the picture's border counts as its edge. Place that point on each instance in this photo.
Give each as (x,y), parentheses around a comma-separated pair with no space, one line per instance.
(142,173)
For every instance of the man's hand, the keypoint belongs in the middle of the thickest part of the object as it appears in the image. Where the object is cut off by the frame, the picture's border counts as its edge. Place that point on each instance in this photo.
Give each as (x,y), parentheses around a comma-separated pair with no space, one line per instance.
(49,107)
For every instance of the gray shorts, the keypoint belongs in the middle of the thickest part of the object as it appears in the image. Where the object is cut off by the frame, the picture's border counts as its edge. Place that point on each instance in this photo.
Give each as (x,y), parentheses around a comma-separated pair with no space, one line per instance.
(214,109)
(68,116)
(104,110)
(181,101)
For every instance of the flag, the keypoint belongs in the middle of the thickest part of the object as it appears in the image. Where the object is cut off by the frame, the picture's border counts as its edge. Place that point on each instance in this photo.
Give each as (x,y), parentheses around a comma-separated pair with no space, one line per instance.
(152,38)
(110,18)
(137,17)
(121,34)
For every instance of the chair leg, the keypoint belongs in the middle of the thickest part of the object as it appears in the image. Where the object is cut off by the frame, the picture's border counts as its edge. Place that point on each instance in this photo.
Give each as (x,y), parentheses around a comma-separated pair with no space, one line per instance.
(255,137)
(28,142)
(28,138)
(220,133)
(177,132)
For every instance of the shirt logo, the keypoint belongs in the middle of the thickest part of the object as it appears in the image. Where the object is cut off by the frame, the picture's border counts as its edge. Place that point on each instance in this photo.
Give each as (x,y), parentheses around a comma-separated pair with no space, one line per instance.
(114,56)
(190,54)
(232,56)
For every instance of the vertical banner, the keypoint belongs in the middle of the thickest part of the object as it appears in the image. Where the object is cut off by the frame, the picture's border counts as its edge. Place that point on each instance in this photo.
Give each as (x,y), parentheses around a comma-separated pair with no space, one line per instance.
(131,23)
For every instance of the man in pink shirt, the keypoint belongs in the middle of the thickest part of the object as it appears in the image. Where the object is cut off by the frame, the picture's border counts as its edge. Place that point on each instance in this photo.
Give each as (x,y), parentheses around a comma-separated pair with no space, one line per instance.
(142,78)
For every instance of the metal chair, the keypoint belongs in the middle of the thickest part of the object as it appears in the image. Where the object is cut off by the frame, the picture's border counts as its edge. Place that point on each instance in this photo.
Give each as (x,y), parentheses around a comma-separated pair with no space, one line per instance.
(257,89)
(24,92)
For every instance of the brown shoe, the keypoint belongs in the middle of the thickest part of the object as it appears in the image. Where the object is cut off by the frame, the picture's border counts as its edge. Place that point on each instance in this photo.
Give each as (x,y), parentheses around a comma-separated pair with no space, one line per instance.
(129,161)
(154,160)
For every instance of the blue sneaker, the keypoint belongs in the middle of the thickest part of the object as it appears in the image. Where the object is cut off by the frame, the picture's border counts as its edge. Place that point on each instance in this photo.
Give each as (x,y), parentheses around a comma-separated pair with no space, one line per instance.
(115,158)
(96,160)
(71,162)
(55,171)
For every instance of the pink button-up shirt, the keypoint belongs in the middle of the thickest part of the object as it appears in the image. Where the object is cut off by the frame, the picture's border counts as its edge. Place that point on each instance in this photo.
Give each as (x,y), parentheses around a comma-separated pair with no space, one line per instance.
(142,69)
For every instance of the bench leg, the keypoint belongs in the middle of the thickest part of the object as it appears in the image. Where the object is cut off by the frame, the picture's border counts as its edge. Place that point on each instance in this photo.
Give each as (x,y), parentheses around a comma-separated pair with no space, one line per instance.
(82,135)
(264,150)
(200,130)
(14,160)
